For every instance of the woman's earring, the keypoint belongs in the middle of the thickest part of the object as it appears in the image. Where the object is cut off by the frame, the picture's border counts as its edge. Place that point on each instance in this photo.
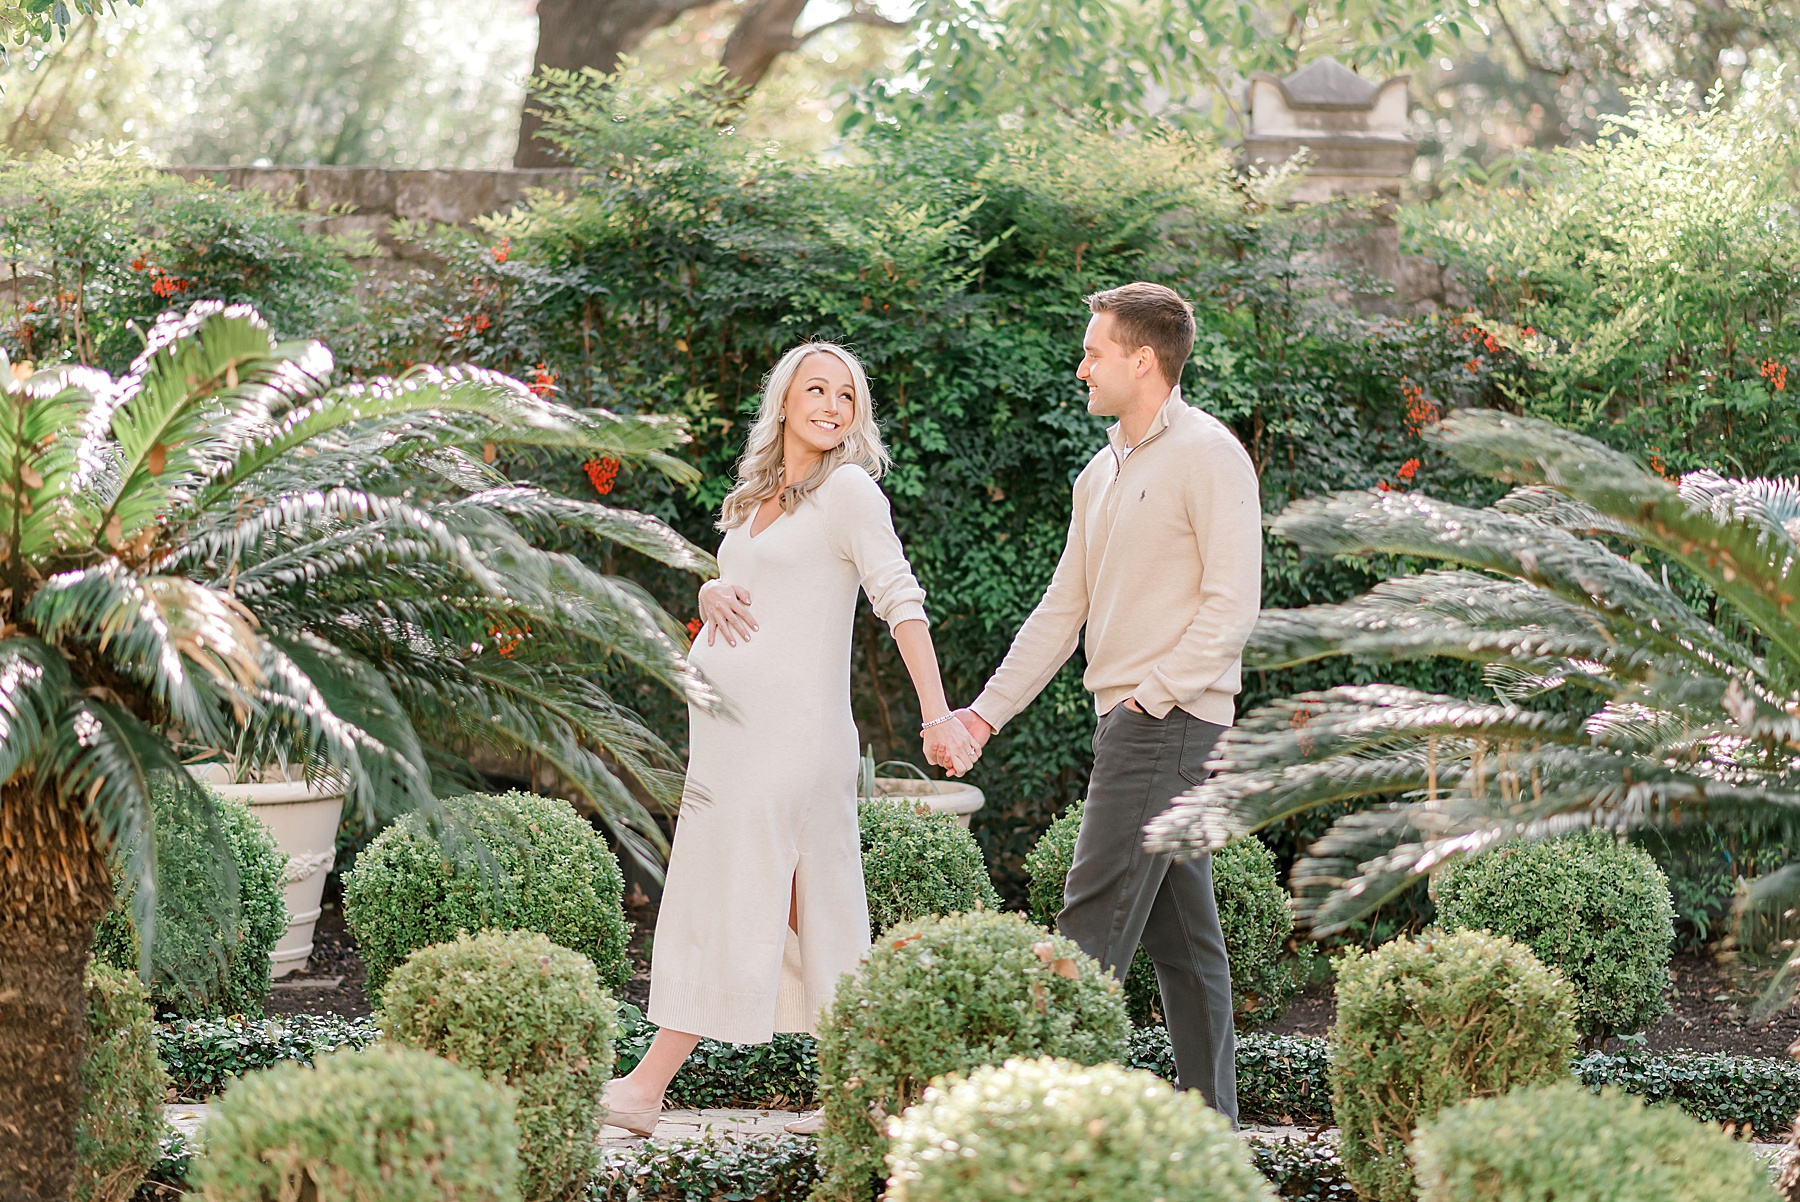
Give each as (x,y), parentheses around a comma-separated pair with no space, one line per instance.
(781,417)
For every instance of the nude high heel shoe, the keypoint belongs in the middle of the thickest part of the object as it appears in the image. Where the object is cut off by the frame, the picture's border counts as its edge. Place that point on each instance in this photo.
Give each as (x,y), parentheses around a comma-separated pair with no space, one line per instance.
(641,1123)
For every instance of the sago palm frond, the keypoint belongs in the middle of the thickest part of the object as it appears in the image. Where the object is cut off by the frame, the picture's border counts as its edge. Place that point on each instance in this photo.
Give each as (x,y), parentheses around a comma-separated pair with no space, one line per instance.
(1694,725)
(221,551)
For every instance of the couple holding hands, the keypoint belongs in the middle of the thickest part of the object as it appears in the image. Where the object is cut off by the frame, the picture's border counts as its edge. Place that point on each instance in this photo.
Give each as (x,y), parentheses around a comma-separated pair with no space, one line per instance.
(764,908)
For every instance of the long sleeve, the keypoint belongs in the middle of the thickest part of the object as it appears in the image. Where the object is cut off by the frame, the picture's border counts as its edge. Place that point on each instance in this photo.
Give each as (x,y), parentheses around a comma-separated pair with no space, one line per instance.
(863,531)
(1227,521)
(1048,637)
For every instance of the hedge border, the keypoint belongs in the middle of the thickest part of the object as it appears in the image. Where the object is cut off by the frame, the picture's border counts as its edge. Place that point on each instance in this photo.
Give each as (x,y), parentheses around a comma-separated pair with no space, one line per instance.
(1281,1078)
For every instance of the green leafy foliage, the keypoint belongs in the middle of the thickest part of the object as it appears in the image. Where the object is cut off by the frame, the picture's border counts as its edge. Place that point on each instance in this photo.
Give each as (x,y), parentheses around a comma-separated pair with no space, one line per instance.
(529,1015)
(1595,909)
(760,1168)
(541,868)
(1065,1132)
(1423,1024)
(204,964)
(686,259)
(1564,1141)
(101,243)
(1253,914)
(917,863)
(947,995)
(122,1087)
(782,1074)
(1645,281)
(1758,1094)
(202,1055)
(388,1124)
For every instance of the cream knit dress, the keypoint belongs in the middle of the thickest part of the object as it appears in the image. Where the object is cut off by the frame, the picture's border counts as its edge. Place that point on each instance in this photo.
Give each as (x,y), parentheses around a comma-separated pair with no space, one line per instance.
(770,803)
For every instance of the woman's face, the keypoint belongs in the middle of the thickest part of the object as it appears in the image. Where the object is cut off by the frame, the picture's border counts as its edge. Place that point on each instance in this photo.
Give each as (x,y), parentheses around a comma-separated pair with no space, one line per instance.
(821,403)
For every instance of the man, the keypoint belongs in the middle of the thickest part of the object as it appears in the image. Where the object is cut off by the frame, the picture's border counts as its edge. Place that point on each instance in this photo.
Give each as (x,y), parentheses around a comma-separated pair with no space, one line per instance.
(1163,567)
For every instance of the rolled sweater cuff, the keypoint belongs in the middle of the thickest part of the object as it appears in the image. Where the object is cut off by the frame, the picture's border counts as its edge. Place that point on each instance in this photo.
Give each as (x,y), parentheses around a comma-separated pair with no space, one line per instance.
(990,709)
(906,611)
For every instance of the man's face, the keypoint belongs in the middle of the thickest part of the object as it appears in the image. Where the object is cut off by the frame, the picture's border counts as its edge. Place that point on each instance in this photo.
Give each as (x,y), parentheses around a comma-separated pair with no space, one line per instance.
(1110,371)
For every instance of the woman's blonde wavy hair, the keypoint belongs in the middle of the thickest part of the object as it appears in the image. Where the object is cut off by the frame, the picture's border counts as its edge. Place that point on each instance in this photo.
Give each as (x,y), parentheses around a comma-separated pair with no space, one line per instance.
(759,471)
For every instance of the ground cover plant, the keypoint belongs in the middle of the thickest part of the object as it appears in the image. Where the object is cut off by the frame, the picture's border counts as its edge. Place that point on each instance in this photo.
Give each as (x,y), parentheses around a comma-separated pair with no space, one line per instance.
(946,995)
(1595,909)
(222,550)
(917,863)
(1065,1132)
(534,864)
(389,1124)
(210,954)
(1562,1141)
(201,1055)
(1424,1024)
(526,1014)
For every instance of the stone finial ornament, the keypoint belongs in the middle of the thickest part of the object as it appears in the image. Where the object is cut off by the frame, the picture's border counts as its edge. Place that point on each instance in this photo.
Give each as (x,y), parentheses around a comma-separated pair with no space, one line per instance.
(1353,129)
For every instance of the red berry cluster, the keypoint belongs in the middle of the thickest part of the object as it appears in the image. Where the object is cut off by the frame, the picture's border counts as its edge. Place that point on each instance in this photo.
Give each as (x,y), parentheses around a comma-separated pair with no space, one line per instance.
(601,473)
(1421,410)
(543,380)
(1775,373)
(508,639)
(694,625)
(501,252)
(162,283)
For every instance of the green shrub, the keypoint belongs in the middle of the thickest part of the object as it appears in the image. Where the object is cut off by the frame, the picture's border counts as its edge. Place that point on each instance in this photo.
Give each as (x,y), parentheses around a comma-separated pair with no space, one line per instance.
(1563,1142)
(528,1014)
(1425,1023)
(550,872)
(1253,914)
(1590,906)
(387,1124)
(946,995)
(917,863)
(122,1088)
(202,1054)
(203,963)
(1055,1131)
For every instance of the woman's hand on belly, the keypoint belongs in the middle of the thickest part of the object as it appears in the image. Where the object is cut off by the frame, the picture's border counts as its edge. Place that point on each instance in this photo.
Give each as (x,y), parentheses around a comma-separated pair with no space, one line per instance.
(725,608)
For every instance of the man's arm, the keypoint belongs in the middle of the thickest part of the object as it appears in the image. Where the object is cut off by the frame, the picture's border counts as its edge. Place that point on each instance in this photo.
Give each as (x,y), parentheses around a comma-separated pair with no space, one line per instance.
(1226,514)
(1047,639)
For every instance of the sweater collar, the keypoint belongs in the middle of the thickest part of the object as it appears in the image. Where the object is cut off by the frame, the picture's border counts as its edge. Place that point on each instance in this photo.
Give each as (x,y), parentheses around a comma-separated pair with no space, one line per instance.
(1116,437)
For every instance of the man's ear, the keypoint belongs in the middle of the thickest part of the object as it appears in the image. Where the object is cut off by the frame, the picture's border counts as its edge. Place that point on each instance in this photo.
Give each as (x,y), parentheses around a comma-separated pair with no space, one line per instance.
(1145,362)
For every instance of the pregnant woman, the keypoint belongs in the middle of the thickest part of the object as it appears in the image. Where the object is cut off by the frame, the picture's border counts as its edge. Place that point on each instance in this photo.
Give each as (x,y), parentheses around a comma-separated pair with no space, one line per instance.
(764,907)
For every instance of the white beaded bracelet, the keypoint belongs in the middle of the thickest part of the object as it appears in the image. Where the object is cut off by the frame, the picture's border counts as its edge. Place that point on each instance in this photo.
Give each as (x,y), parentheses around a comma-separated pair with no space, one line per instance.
(925,726)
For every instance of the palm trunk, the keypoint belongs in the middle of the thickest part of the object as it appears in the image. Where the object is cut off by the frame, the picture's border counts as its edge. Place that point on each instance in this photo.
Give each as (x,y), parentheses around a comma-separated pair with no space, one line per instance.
(54,886)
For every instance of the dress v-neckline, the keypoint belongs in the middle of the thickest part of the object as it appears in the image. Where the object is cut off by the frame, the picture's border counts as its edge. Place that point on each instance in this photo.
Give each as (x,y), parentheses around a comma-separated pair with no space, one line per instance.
(755,533)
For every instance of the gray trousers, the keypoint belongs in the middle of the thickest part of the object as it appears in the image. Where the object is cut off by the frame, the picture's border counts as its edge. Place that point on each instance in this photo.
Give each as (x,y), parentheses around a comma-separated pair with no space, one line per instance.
(1118,895)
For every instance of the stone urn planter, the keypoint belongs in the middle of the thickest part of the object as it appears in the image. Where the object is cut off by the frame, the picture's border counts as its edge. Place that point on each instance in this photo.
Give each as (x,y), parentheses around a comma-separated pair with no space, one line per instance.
(944,796)
(304,820)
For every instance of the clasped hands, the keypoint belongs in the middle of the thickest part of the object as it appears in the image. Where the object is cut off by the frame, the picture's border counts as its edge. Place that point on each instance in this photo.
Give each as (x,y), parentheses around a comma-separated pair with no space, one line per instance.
(954,746)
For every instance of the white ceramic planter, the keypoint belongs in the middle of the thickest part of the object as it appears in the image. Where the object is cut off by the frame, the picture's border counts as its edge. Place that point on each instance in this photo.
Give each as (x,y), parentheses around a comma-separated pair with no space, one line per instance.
(304,821)
(944,796)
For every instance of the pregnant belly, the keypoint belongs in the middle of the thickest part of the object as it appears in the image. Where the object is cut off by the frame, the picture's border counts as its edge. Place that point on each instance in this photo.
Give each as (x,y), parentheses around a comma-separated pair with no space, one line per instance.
(764,669)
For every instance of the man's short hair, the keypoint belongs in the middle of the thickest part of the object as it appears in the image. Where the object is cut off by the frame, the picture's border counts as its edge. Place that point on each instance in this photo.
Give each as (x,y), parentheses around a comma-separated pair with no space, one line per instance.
(1150,315)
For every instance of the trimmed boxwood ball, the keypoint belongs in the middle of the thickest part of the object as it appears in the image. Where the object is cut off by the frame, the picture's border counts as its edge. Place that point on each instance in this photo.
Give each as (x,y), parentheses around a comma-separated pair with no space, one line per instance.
(1055,1131)
(1427,1023)
(387,1124)
(118,1136)
(200,966)
(527,1014)
(947,995)
(550,872)
(1567,1143)
(1253,914)
(917,863)
(1592,907)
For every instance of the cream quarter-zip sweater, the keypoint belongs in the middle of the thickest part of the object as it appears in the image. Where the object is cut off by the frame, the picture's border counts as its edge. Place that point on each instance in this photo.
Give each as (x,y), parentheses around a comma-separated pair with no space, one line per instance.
(1163,566)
